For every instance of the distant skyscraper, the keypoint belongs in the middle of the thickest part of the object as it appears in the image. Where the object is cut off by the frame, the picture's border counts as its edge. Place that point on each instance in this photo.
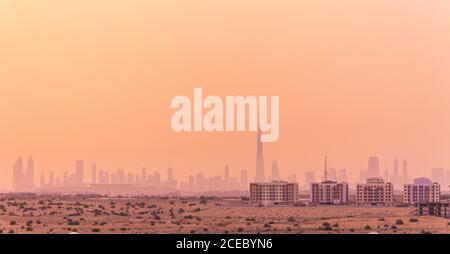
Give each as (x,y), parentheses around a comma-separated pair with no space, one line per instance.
(200,181)
(405,171)
(244,179)
(79,172)
(18,174)
(438,175)
(260,175)
(373,169)
(94,174)
(29,185)
(156,179)
(342,177)
(107,178)
(170,175)
(275,172)
(227,174)
(51,179)
(143,175)
(130,178)
(65,178)
(23,180)
(191,183)
(395,177)
(42,181)
(310,177)
(171,182)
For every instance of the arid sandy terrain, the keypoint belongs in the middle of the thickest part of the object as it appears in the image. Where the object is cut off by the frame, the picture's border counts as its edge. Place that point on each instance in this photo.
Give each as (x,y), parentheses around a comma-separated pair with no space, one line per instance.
(82,214)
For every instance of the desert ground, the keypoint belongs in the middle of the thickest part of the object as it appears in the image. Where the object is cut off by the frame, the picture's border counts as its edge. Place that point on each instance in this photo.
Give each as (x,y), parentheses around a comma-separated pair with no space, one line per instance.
(57,214)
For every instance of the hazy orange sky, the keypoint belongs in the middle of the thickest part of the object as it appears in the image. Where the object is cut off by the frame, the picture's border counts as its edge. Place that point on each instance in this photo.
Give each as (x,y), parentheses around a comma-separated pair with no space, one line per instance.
(93,80)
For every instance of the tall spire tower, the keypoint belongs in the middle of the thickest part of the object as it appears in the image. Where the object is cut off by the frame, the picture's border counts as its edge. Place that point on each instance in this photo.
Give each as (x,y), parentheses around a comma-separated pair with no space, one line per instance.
(259,176)
(325,176)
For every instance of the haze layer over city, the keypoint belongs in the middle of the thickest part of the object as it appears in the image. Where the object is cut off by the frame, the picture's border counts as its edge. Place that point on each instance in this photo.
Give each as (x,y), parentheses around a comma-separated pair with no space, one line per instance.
(355,79)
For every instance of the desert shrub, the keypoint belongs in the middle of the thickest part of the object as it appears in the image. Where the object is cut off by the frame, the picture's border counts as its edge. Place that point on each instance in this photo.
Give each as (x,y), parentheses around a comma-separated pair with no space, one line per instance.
(399,222)
(240,230)
(95,230)
(367,227)
(13,222)
(336,225)
(326,227)
(267,225)
(291,219)
(413,220)
(73,223)
(393,227)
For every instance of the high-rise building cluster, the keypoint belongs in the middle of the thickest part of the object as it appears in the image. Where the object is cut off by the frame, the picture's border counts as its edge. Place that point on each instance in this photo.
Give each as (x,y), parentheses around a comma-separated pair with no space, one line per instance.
(376,188)
(23,179)
(397,177)
(74,179)
(227,182)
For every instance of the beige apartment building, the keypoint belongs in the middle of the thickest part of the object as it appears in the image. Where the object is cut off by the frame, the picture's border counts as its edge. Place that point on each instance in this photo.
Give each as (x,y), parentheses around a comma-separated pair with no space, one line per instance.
(329,193)
(274,193)
(374,192)
(421,191)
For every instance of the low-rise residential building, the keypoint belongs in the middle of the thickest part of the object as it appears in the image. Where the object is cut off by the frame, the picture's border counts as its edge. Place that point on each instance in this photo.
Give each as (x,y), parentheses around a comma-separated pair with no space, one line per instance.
(329,193)
(374,192)
(273,193)
(421,191)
